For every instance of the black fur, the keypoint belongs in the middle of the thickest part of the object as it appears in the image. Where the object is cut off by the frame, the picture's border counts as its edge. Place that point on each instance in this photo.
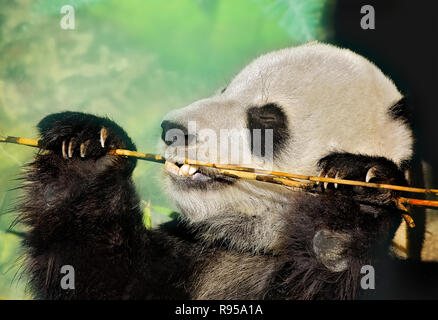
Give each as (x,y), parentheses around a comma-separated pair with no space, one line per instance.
(268,117)
(302,276)
(180,134)
(85,212)
(401,111)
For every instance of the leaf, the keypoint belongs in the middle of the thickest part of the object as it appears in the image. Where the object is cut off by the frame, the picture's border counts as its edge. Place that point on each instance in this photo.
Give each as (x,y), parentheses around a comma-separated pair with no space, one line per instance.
(301,18)
(165,211)
(18,234)
(147,215)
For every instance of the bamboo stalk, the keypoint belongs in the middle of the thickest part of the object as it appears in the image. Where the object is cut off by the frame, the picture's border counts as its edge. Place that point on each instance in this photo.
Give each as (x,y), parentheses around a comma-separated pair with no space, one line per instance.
(282,178)
(419,202)
(152,157)
(22,141)
(139,155)
(312,178)
(263,178)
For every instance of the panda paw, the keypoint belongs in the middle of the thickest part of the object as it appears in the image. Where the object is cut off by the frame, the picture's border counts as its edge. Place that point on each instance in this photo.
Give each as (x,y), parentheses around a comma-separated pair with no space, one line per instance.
(361,168)
(75,135)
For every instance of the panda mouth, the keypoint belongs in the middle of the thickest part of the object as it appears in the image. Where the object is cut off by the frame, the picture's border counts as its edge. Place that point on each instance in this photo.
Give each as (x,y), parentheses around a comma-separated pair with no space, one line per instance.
(186,171)
(194,175)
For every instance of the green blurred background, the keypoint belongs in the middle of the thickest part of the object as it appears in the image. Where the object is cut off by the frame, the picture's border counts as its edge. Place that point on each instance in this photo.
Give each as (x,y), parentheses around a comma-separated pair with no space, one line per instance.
(131,60)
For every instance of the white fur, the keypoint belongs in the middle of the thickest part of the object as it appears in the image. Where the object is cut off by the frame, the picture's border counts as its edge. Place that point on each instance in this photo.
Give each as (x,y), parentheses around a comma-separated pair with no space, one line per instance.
(335,100)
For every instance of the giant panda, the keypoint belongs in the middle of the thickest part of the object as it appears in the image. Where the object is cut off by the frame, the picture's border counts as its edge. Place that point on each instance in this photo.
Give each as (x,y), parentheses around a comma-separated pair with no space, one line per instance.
(331,113)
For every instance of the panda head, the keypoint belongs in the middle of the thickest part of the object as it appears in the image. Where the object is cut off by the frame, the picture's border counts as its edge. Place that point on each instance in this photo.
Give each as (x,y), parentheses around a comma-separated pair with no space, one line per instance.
(307,102)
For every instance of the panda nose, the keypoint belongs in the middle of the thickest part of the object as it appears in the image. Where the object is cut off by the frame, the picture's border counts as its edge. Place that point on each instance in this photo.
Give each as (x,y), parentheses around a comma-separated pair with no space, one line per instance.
(175,134)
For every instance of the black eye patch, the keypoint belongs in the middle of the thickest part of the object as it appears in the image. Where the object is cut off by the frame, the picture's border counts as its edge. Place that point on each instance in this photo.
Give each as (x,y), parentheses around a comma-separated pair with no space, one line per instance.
(270,116)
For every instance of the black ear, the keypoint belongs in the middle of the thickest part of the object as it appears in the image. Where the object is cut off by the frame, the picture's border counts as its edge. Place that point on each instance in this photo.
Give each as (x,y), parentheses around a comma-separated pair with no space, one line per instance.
(269,116)
(401,111)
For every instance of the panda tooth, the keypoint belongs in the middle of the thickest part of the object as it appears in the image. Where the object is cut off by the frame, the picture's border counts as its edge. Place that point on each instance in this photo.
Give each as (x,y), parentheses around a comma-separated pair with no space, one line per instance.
(192,170)
(171,167)
(184,170)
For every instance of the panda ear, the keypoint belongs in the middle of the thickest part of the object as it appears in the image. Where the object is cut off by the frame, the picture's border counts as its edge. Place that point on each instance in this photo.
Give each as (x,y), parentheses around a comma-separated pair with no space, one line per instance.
(329,247)
(401,110)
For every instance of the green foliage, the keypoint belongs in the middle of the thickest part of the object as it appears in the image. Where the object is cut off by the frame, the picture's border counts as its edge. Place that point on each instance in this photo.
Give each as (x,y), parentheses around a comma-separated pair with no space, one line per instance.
(53,7)
(131,60)
(155,215)
(147,220)
(301,18)
(165,211)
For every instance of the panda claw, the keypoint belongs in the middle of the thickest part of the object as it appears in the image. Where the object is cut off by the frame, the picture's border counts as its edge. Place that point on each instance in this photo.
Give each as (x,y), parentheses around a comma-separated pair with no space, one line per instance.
(83,148)
(71,147)
(320,175)
(64,154)
(336,177)
(370,174)
(326,183)
(103,136)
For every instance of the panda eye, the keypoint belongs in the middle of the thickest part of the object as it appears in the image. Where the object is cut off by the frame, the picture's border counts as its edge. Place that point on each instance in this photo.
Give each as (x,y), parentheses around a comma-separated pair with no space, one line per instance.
(270,116)
(267,118)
